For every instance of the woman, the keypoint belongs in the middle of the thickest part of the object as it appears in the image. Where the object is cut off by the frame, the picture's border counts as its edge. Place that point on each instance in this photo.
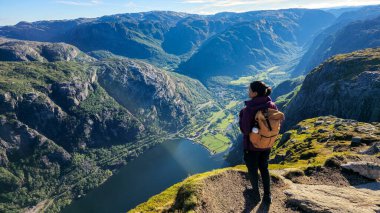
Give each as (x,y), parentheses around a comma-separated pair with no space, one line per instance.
(256,159)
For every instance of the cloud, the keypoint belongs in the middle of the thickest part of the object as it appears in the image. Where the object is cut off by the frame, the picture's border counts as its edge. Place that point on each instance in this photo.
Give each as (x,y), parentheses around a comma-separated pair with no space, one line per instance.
(214,6)
(80,3)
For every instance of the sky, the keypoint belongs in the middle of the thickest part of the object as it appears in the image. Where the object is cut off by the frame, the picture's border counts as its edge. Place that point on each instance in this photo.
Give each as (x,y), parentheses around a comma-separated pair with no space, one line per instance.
(14,11)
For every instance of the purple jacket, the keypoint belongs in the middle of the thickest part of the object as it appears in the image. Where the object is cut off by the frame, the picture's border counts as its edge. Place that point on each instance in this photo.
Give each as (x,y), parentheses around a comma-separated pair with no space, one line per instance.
(246,118)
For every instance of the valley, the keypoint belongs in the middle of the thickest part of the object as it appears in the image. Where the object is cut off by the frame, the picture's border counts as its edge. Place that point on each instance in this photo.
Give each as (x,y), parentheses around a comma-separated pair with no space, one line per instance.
(86,105)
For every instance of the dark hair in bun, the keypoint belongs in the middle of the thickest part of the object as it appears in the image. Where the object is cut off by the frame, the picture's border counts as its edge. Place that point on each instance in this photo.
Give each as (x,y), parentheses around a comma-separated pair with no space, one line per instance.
(261,88)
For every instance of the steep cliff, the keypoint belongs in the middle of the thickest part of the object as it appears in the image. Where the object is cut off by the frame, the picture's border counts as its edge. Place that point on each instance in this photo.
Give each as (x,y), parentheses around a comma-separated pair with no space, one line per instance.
(345,86)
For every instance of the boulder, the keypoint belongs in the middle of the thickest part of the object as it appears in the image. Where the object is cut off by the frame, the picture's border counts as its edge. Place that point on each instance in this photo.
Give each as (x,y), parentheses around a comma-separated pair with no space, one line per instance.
(370,170)
(355,141)
(324,198)
(373,150)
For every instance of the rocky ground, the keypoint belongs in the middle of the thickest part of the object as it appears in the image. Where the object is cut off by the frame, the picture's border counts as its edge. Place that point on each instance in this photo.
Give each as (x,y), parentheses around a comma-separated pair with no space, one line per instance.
(293,191)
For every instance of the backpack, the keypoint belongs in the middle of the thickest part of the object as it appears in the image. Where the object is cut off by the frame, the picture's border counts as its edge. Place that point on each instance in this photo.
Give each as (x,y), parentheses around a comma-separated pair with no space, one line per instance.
(268,121)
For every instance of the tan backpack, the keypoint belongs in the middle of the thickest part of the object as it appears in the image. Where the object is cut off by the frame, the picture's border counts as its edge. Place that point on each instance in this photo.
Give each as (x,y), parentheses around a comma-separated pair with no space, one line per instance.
(269,124)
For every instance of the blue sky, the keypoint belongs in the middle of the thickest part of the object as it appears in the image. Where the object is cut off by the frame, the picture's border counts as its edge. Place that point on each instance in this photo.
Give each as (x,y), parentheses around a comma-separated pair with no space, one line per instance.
(13,11)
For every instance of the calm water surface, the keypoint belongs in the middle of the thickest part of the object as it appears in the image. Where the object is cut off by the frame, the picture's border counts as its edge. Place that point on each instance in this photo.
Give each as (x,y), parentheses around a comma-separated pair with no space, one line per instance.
(149,174)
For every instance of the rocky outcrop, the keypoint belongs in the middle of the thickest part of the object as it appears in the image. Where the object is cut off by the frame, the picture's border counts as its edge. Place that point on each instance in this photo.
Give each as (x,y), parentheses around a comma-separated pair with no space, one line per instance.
(345,86)
(373,150)
(154,96)
(71,93)
(322,198)
(17,50)
(17,137)
(367,169)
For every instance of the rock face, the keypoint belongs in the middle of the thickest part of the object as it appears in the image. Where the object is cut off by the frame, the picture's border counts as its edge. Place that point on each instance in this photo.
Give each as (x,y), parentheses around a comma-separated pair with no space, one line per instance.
(322,198)
(154,95)
(367,169)
(344,86)
(17,50)
(373,150)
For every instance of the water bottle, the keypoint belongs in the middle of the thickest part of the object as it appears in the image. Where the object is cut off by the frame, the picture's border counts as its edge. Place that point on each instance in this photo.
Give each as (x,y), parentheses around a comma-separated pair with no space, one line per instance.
(255,128)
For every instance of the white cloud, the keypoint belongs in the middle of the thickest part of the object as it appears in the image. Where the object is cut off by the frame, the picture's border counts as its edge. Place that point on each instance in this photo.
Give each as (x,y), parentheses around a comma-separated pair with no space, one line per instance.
(213,6)
(80,3)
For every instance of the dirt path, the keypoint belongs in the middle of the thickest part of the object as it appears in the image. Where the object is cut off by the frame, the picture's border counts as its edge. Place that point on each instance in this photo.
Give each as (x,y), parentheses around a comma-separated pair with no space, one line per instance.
(325,190)
(231,192)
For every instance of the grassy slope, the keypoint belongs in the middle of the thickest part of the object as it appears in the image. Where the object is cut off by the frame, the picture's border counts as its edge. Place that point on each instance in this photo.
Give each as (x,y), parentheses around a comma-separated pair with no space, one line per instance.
(309,146)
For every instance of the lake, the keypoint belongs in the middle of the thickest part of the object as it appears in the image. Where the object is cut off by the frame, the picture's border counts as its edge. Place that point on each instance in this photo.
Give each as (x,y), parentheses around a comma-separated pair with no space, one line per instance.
(152,172)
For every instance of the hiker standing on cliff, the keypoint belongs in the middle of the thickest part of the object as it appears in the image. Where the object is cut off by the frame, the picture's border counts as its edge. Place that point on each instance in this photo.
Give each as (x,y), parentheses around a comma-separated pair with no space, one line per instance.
(256,156)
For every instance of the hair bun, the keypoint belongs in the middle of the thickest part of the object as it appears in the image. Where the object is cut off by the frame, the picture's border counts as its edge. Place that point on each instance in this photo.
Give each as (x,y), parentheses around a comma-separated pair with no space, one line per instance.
(268,91)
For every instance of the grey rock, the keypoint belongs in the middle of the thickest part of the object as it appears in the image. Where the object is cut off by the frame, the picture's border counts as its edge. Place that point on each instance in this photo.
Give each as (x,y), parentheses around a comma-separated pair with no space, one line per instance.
(355,141)
(319,122)
(322,130)
(369,170)
(71,93)
(373,150)
(324,198)
(19,50)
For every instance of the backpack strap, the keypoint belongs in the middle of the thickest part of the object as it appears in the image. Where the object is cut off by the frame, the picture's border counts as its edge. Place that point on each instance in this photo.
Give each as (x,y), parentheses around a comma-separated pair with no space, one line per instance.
(267,118)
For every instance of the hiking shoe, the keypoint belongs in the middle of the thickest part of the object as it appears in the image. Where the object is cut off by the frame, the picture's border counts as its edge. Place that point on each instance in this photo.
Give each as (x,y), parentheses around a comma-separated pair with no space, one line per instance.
(267,199)
(255,195)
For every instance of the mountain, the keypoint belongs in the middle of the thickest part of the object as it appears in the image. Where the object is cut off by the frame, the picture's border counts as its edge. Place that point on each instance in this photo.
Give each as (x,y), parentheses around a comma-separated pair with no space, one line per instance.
(65,126)
(320,165)
(351,31)
(151,94)
(135,35)
(345,86)
(17,50)
(166,38)
(249,47)
(286,87)
(285,91)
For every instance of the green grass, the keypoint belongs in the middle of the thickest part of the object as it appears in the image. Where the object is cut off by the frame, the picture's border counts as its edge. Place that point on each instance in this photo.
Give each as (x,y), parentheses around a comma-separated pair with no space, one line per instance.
(216,143)
(307,149)
(213,132)
(166,199)
(271,76)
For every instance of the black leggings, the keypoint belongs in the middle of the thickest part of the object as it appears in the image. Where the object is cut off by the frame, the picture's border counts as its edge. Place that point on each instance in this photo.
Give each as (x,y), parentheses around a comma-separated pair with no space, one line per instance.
(258,160)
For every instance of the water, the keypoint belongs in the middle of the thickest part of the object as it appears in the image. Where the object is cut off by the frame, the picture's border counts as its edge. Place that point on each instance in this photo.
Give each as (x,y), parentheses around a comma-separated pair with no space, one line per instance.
(149,174)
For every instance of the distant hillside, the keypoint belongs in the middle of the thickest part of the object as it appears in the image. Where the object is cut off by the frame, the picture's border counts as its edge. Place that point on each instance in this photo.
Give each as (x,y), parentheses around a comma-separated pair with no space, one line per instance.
(17,50)
(345,86)
(250,47)
(351,31)
(166,38)
(285,91)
